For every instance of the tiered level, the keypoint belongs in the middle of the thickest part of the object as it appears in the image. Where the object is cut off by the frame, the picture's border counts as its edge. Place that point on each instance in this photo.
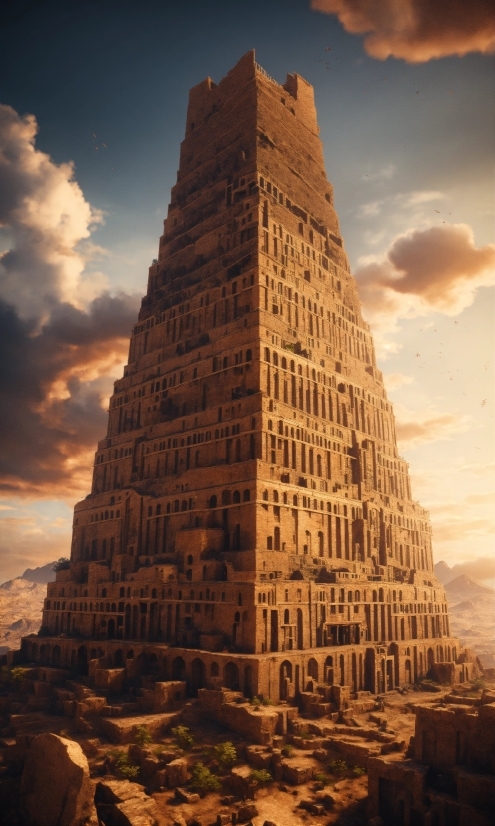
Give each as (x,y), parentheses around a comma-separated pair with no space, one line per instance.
(250,522)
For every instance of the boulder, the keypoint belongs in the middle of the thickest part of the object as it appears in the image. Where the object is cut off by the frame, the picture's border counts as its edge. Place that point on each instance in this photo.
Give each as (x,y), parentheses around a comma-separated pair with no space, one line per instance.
(56,789)
(124,803)
(246,812)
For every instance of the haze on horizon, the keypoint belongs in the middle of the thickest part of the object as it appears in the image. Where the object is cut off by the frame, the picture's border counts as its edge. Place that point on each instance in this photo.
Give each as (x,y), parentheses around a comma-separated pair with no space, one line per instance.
(91,119)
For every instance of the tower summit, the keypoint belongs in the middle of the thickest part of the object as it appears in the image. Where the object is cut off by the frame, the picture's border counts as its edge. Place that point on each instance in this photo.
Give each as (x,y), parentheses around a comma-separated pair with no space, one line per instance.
(250,522)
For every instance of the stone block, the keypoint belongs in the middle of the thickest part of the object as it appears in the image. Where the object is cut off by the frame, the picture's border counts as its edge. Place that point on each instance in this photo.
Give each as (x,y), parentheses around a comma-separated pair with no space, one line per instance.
(246,812)
(186,797)
(176,772)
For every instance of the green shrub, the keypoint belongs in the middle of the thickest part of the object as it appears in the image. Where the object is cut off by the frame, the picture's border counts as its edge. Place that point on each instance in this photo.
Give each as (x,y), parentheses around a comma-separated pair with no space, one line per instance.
(358,771)
(287,750)
(255,702)
(142,736)
(338,767)
(183,737)
(476,684)
(321,777)
(262,776)
(126,769)
(225,754)
(203,780)
(11,675)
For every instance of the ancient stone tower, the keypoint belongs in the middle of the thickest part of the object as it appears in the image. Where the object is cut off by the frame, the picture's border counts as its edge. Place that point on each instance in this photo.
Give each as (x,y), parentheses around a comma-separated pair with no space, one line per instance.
(250,522)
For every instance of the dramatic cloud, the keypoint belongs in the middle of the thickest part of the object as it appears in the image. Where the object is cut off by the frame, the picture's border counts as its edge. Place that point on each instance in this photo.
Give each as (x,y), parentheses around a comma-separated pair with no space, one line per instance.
(61,335)
(438,269)
(47,219)
(417,429)
(416,30)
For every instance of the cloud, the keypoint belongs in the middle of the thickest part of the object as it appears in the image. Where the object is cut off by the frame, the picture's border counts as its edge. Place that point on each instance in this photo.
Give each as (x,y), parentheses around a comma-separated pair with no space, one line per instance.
(386,172)
(438,269)
(48,221)
(455,530)
(62,335)
(395,380)
(415,30)
(412,433)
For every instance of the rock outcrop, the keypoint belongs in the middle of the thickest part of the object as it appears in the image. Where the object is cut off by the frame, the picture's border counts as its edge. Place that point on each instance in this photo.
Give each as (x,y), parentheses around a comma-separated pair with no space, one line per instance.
(56,789)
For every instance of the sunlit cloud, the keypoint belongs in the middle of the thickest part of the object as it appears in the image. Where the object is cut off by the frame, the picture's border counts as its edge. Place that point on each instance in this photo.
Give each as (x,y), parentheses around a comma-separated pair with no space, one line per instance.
(63,337)
(418,428)
(416,31)
(395,380)
(433,270)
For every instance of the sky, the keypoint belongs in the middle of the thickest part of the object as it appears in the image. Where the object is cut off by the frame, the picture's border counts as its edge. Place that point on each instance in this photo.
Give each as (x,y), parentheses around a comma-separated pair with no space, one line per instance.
(93,101)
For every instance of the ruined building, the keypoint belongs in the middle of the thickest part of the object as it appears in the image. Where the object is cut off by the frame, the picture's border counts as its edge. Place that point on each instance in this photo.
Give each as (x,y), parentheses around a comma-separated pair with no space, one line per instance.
(250,522)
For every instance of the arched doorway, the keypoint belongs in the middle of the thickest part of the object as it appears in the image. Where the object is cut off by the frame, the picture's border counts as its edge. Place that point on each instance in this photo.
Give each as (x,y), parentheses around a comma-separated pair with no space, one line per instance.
(56,656)
(231,676)
(198,675)
(248,681)
(178,669)
(82,660)
(111,629)
(313,669)
(285,680)
(329,670)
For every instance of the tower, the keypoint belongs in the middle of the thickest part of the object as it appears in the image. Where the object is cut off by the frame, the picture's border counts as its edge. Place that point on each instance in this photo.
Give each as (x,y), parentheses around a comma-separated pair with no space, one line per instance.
(250,522)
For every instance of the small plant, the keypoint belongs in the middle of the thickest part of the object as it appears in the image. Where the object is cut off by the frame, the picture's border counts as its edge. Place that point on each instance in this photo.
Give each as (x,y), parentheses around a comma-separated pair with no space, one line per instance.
(262,776)
(203,780)
(225,754)
(126,769)
(142,736)
(11,675)
(476,684)
(265,701)
(358,771)
(183,737)
(255,702)
(287,750)
(321,777)
(338,767)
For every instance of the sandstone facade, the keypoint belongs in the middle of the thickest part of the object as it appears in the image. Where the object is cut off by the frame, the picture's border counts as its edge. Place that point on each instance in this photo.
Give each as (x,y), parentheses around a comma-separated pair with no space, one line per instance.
(250,523)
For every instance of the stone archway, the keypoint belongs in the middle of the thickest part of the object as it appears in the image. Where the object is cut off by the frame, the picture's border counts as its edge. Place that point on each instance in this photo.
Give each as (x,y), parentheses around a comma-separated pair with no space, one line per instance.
(285,680)
(231,676)
(198,676)
(178,669)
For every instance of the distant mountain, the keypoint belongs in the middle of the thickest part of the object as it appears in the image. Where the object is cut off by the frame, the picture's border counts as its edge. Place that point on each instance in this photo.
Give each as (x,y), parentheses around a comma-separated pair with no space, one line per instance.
(21,604)
(41,575)
(464,587)
(443,572)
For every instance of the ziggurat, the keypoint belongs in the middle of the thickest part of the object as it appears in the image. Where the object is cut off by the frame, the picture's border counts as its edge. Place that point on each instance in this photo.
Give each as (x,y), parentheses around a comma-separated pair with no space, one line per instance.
(250,523)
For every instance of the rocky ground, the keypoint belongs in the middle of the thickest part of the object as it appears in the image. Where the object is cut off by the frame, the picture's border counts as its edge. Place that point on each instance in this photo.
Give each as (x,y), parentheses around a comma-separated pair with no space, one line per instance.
(146,768)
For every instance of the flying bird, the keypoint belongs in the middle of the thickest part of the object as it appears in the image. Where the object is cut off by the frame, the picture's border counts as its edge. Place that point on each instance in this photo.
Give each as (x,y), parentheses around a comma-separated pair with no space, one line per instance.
(437,210)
